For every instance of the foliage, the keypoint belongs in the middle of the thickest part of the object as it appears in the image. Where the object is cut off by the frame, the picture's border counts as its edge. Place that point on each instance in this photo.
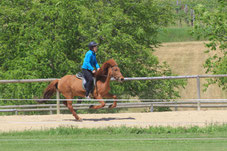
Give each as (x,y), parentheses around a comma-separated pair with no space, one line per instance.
(213,25)
(184,9)
(176,34)
(48,39)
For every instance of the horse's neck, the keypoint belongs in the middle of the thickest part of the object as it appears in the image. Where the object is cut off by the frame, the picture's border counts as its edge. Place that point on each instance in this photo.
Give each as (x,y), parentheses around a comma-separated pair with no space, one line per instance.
(106,78)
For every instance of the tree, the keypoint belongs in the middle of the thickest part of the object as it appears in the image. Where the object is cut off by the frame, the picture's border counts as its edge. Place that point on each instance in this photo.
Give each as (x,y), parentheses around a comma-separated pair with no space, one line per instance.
(212,24)
(48,39)
(185,9)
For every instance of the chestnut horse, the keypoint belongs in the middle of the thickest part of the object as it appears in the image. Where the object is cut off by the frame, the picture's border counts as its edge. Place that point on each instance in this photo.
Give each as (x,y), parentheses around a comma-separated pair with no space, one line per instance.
(71,86)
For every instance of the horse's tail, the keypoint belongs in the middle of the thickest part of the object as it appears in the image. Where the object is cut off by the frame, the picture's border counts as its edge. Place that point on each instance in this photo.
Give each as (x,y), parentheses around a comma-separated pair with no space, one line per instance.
(50,90)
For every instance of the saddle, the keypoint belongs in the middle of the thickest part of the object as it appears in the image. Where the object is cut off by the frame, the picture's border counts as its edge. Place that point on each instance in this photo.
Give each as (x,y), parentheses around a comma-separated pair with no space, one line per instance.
(80,75)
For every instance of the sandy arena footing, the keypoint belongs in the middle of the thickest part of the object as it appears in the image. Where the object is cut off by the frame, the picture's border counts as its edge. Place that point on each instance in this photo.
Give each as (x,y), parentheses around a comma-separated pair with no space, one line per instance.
(175,119)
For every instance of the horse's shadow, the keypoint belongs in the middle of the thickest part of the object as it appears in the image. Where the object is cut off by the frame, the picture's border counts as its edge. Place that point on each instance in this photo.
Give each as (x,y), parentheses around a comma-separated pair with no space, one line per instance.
(102,119)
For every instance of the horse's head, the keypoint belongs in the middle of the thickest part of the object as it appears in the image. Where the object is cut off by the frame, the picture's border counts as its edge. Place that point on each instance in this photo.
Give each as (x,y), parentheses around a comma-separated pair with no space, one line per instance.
(114,70)
(116,73)
(110,68)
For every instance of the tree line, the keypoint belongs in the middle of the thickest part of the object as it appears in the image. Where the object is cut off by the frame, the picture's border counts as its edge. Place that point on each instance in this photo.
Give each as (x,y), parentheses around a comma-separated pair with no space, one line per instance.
(48,39)
(212,24)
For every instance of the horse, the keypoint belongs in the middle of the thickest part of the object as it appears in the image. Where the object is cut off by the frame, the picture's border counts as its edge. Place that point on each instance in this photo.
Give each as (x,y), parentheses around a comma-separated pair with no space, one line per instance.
(70,86)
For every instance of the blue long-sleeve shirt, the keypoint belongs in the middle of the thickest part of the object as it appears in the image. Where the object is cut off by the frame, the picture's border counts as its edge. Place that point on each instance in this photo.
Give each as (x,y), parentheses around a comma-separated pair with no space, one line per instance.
(90,61)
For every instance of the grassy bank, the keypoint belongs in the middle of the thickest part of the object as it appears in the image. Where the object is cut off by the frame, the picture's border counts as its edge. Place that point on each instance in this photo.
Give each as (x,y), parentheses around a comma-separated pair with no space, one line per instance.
(188,58)
(121,130)
(176,34)
(209,138)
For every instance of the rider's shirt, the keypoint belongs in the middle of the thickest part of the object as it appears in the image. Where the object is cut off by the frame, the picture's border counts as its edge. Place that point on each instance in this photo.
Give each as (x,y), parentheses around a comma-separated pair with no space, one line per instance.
(90,61)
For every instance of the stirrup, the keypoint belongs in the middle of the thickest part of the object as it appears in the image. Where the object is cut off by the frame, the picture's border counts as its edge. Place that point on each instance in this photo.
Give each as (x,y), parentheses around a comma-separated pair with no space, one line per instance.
(87,97)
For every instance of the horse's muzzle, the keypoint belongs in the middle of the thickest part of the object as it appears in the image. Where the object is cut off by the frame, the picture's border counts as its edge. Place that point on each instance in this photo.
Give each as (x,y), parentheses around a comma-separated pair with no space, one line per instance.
(120,79)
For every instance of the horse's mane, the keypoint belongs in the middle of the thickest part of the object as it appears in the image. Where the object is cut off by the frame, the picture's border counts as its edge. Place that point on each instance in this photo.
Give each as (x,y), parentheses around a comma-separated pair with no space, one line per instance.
(104,68)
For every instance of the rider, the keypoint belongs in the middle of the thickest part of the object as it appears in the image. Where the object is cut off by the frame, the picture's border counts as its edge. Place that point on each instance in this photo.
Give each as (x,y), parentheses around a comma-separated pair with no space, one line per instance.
(88,66)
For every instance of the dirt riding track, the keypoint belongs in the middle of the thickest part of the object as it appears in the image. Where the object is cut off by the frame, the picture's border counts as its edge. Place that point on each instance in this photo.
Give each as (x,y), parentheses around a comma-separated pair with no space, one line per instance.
(180,118)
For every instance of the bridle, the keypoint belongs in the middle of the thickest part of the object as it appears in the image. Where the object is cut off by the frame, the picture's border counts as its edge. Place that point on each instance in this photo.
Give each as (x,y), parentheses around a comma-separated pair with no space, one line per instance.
(114,66)
(113,69)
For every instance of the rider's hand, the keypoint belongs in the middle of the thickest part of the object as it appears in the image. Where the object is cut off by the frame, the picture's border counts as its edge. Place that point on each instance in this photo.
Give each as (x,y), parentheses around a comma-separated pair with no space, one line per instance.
(93,71)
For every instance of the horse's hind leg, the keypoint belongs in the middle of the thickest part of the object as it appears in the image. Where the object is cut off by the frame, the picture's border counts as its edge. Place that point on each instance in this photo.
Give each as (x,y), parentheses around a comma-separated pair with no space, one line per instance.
(111,96)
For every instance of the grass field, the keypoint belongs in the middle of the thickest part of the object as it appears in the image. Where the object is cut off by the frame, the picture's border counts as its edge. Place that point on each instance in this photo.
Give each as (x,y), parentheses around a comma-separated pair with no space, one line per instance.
(176,34)
(187,58)
(209,138)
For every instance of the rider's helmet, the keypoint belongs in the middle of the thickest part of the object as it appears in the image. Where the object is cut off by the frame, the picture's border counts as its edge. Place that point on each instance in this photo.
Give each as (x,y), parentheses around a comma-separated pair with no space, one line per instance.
(92,44)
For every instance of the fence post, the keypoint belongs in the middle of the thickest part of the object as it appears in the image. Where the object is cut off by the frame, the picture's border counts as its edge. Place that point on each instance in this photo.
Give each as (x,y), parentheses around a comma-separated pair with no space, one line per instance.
(58,102)
(198,105)
(51,110)
(198,87)
(198,92)
(176,107)
(152,107)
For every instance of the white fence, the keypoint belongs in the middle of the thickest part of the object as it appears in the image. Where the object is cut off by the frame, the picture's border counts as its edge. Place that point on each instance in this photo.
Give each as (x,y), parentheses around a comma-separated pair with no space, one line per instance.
(151,103)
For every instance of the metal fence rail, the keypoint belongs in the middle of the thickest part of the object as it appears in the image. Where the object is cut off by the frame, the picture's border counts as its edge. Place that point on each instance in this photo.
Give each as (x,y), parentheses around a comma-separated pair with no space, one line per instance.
(198,101)
(126,79)
(197,104)
(123,100)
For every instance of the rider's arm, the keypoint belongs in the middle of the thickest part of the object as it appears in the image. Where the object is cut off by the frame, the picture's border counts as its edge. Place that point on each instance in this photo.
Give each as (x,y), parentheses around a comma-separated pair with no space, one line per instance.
(96,64)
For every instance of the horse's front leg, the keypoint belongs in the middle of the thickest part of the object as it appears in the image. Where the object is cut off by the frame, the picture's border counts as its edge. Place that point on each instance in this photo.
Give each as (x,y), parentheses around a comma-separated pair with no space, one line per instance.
(102,104)
(111,96)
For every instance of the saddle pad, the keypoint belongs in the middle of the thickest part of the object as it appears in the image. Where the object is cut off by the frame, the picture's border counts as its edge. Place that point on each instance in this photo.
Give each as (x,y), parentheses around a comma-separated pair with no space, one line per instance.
(79,75)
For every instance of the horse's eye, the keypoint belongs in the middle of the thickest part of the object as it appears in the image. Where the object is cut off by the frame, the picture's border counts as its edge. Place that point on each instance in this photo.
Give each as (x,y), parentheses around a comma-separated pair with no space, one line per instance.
(115,69)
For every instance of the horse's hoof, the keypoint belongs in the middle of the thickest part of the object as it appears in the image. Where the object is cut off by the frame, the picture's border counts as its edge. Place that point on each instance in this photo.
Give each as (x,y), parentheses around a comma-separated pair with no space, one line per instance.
(111,106)
(79,120)
(91,106)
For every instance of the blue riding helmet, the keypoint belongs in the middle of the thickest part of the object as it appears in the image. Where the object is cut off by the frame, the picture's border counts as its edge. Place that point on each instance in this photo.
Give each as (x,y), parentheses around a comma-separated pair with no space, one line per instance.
(92,44)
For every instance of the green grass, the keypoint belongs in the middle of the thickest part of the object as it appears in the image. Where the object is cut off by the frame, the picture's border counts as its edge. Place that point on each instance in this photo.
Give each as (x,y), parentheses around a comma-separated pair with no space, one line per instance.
(176,34)
(209,138)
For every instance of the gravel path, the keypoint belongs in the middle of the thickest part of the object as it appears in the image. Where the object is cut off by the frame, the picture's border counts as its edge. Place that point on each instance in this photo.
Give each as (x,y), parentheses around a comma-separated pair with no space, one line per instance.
(180,118)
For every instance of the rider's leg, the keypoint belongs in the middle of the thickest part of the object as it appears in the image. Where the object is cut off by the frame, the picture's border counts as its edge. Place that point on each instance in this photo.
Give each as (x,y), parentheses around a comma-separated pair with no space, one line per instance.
(89,81)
